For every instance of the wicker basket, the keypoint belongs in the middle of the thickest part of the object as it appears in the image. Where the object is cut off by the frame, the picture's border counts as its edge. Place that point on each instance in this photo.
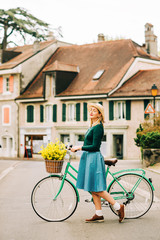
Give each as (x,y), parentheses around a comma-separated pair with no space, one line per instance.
(53,166)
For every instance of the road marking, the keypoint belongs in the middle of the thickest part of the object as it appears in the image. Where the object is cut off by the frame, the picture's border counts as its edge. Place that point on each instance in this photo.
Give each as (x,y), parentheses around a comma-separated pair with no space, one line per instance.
(6,171)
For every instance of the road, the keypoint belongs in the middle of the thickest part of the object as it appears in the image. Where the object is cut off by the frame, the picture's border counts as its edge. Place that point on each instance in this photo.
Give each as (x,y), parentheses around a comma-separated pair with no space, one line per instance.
(19,222)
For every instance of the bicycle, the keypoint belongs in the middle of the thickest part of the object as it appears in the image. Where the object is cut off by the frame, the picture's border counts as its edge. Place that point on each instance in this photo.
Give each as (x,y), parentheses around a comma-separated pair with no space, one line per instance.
(55,197)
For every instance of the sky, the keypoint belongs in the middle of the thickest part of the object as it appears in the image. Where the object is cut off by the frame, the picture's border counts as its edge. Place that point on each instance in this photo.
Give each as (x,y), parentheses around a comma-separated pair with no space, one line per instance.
(82,20)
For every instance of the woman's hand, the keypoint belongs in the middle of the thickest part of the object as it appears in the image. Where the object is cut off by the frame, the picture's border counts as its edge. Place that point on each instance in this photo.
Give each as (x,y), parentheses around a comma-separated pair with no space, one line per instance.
(76,148)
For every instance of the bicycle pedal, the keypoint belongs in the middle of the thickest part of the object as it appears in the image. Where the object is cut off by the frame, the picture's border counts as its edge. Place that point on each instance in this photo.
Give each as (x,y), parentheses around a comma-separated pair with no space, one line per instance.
(87,200)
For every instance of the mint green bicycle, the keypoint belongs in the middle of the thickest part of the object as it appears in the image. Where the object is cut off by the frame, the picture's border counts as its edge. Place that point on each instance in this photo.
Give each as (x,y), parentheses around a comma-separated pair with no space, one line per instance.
(55,198)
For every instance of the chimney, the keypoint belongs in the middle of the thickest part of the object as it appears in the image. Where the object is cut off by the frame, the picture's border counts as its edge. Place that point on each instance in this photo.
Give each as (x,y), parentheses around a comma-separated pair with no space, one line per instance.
(101,37)
(36,46)
(150,40)
(50,36)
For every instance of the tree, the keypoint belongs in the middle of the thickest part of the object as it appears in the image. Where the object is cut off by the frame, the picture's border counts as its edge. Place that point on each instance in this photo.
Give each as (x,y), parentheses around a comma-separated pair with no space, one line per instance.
(19,20)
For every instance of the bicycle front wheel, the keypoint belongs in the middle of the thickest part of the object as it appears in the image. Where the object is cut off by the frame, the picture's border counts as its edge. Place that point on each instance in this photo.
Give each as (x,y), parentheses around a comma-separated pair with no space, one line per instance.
(46,206)
(138,202)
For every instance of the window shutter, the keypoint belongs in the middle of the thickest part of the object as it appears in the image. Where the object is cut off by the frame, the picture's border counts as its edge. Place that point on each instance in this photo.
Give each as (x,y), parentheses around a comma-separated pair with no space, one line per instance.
(6,115)
(101,103)
(1,84)
(77,111)
(63,112)
(41,113)
(11,83)
(85,111)
(55,113)
(128,110)
(30,113)
(111,110)
(146,101)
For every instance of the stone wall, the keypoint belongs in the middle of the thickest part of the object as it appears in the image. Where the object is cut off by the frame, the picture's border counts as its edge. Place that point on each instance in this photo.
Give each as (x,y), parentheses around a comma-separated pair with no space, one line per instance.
(151,156)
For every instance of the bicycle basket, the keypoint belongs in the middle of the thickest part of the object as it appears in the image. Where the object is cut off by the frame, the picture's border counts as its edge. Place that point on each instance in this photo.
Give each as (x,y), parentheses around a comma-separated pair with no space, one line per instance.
(53,166)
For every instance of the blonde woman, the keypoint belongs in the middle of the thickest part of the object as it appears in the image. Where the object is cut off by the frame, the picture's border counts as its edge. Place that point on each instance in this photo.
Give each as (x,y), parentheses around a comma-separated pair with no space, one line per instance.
(91,174)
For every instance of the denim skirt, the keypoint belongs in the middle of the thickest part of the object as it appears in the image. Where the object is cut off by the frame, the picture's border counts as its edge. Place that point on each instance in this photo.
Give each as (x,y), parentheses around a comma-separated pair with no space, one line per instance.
(91,173)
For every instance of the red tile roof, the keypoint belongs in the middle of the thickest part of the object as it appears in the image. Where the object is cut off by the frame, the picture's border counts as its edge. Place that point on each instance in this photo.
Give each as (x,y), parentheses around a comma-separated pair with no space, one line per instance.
(115,57)
(140,84)
(59,66)
(26,52)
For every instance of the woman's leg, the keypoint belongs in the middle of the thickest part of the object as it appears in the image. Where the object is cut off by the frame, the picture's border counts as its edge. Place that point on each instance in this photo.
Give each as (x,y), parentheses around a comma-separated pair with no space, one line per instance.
(105,195)
(97,201)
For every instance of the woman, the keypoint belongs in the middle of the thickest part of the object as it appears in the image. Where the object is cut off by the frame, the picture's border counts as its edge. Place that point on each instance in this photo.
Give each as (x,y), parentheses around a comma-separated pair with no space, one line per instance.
(91,174)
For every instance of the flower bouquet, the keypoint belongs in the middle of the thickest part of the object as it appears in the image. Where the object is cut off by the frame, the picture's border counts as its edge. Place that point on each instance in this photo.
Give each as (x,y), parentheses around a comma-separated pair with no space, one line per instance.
(54,154)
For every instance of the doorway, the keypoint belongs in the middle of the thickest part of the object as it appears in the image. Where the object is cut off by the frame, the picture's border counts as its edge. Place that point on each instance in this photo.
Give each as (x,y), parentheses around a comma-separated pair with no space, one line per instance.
(118,146)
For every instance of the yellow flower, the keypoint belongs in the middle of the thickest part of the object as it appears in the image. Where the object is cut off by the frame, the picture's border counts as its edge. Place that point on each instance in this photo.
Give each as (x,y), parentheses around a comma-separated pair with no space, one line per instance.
(54,151)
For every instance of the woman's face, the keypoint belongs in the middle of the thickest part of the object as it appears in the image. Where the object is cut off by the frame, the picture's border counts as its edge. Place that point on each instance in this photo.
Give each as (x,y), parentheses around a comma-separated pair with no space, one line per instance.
(94,113)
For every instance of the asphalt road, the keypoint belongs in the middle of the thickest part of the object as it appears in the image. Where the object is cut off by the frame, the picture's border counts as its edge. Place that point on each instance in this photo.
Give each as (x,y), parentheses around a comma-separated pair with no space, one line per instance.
(19,222)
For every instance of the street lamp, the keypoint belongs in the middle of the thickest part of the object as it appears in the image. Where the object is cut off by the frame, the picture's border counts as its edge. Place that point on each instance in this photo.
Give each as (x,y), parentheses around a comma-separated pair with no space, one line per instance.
(154,91)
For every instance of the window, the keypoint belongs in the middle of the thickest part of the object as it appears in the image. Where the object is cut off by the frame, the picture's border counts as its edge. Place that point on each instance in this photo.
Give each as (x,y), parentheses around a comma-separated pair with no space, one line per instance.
(157,105)
(48,113)
(71,112)
(30,113)
(6,116)
(121,111)
(98,75)
(7,84)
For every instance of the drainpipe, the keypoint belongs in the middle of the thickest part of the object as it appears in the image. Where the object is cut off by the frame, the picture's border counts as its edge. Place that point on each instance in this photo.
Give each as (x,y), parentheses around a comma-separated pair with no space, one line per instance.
(18,155)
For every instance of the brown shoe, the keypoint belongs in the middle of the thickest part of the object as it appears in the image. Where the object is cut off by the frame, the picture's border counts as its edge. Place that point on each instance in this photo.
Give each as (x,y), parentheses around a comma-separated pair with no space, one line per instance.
(95,218)
(121,213)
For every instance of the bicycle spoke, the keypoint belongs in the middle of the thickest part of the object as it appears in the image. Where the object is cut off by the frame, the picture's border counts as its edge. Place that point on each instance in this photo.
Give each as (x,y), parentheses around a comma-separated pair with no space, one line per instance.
(137,202)
(47,206)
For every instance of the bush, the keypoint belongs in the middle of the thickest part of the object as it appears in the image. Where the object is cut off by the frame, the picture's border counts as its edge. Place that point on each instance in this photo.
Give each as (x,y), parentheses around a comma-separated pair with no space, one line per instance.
(150,140)
(148,133)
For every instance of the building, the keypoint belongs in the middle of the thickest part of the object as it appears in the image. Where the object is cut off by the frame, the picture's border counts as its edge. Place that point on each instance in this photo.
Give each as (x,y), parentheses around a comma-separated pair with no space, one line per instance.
(116,73)
(21,65)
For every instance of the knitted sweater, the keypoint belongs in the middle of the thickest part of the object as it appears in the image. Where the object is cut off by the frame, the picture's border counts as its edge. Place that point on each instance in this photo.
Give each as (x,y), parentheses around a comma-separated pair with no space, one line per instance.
(93,138)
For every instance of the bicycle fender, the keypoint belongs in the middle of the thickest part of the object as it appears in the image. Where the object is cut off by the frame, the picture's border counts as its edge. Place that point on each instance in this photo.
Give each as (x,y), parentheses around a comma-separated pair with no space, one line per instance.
(134,174)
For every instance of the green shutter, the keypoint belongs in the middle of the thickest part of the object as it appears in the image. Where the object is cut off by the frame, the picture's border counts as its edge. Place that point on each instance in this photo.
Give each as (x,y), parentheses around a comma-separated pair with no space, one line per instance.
(146,101)
(77,111)
(55,113)
(41,113)
(111,110)
(85,111)
(63,112)
(128,110)
(101,103)
(30,113)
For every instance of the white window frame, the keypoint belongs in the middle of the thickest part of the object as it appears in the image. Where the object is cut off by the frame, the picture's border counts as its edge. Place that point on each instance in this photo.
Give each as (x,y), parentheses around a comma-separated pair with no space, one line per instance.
(120,110)
(6,124)
(71,112)
(48,113)
(6,86)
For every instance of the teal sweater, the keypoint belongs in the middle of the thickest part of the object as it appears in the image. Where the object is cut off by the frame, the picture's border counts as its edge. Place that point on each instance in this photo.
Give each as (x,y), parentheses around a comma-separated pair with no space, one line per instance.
(93,138)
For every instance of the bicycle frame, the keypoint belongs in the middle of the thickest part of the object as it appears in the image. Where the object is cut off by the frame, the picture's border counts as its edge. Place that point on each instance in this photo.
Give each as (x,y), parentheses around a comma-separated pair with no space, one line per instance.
(118,174)
(64,177)
(115,177)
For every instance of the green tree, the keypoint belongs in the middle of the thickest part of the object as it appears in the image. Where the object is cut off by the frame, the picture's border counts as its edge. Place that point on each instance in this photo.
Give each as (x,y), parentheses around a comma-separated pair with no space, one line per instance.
(20,21)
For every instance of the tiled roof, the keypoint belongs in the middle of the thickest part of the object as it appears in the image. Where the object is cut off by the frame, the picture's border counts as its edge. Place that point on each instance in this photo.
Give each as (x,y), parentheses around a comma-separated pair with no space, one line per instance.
(59,66)
(114,57)
(26,52)
(140,84)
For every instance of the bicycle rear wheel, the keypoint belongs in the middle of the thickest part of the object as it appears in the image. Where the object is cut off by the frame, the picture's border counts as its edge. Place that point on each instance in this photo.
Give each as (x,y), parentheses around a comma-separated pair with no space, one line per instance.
(136,204)
(48,208)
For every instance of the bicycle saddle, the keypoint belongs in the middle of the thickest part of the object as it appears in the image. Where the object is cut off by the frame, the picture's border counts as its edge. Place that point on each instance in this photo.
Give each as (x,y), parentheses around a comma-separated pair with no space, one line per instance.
(111,162)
